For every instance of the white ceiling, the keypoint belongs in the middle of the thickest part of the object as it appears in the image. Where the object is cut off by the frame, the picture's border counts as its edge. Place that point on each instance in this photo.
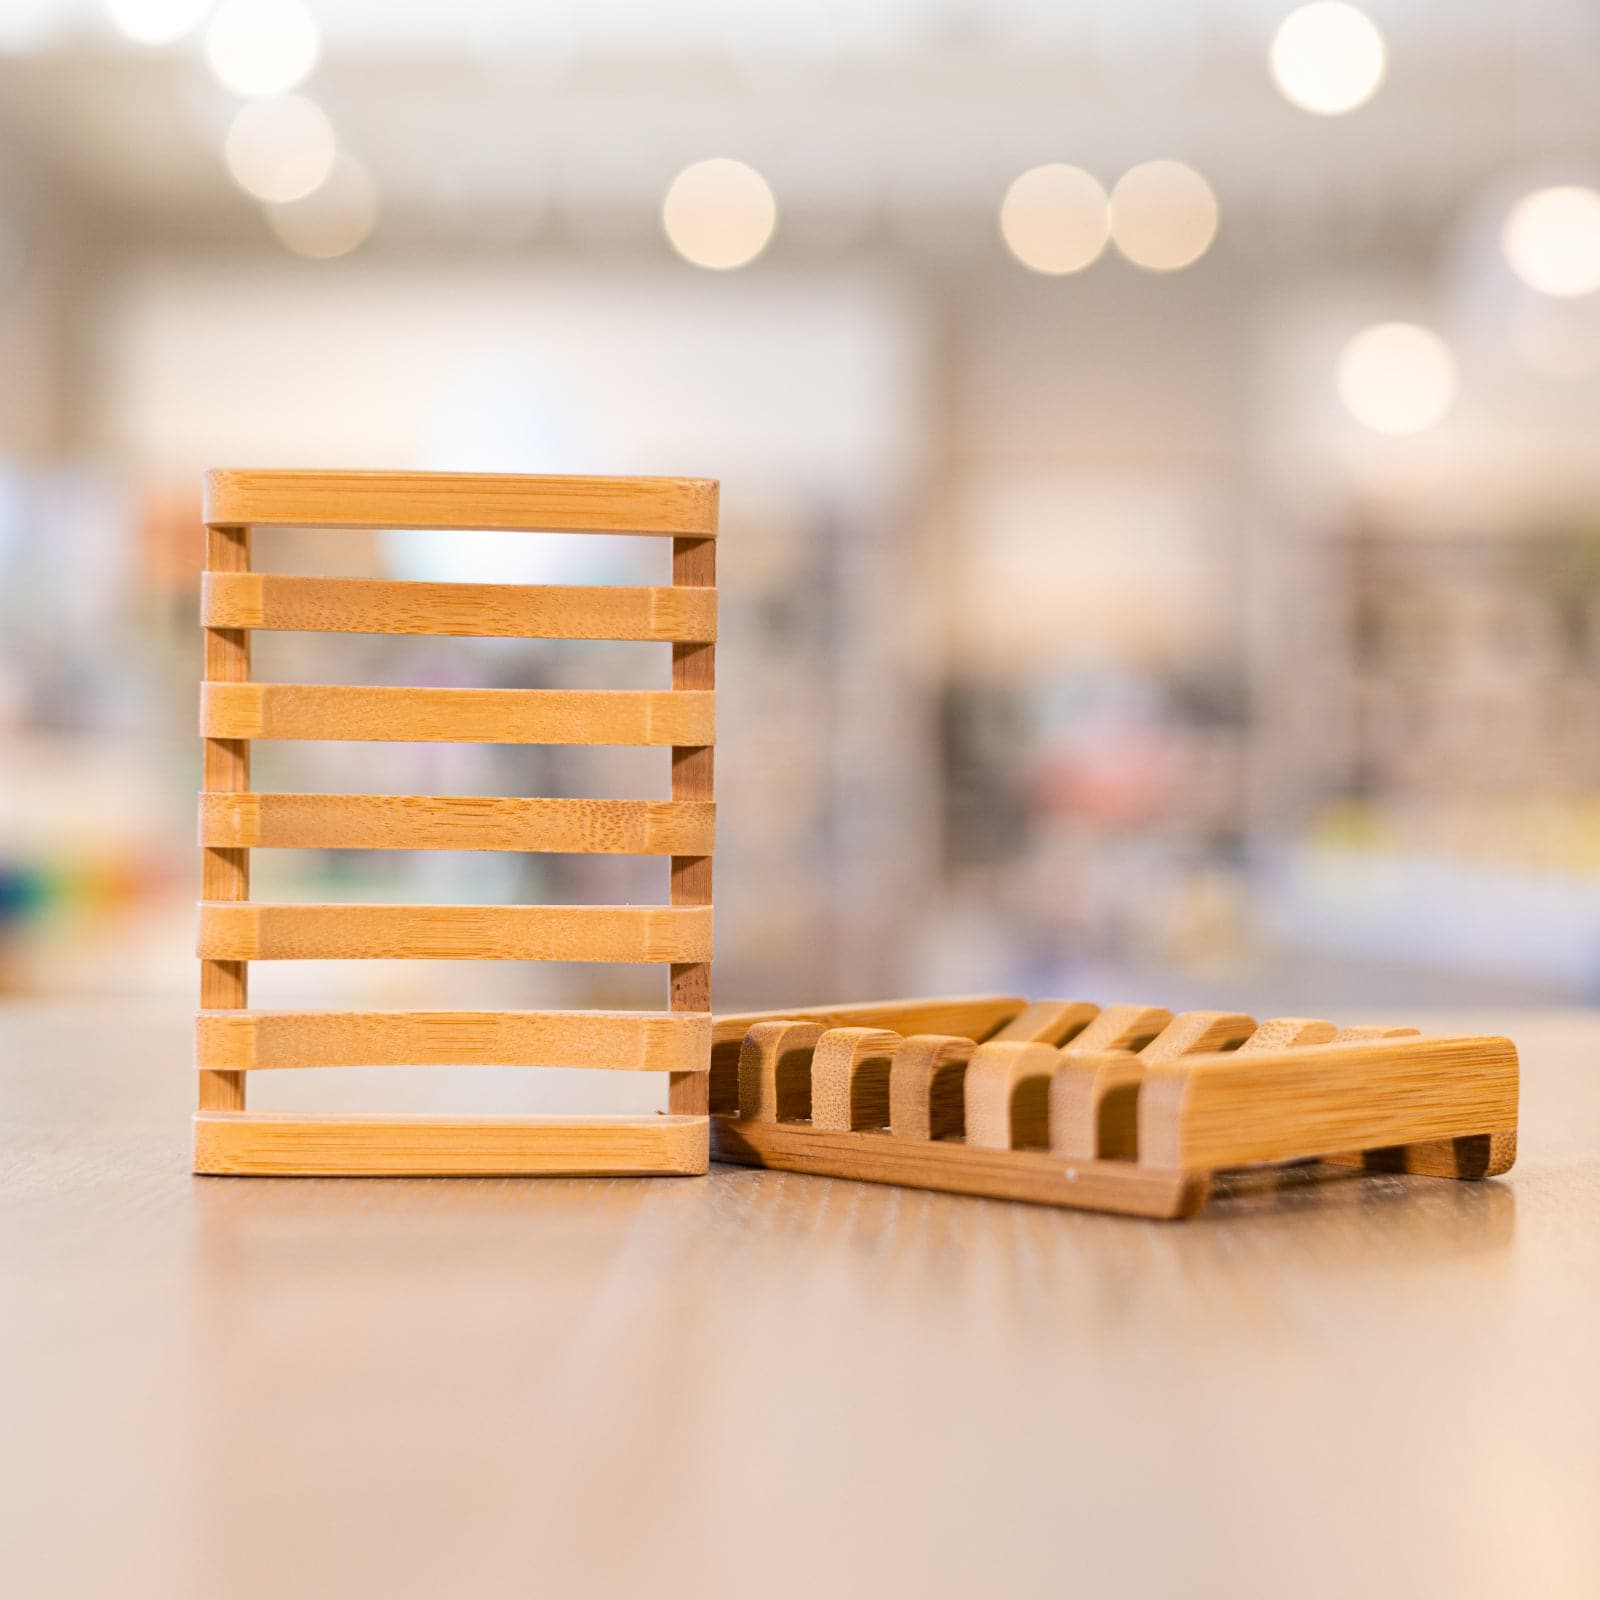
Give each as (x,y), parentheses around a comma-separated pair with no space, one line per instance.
(855,111)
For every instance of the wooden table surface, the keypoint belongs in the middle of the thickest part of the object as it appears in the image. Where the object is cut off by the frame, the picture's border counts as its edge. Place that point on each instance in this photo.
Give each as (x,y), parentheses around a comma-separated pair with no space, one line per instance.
(773,1385)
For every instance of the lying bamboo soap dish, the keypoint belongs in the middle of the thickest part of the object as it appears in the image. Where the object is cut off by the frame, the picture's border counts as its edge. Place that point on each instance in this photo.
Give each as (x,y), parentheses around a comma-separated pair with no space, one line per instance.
(1123,1108)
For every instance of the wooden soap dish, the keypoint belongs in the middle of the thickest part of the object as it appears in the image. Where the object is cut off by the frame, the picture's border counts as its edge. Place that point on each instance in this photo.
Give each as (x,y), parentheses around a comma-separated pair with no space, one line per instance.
(234,1041)
(1126,1108)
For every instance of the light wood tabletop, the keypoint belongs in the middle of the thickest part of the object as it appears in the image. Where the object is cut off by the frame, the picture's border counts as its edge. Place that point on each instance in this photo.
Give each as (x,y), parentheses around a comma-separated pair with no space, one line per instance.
(768,1384)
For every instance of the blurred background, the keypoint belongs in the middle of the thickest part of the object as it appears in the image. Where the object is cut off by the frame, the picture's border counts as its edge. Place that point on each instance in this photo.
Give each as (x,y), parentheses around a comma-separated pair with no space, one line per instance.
(1161,502)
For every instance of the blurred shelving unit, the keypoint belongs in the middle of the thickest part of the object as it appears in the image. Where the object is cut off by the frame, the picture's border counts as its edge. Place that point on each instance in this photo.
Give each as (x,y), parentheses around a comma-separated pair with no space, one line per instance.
(1427,772)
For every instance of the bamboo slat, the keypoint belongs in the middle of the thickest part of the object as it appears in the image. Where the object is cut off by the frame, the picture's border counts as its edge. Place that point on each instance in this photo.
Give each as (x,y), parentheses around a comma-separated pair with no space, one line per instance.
(276,1144)
(455,822)
(628,1041)
(462,716)
(472,610)
(259,931)
(461,500)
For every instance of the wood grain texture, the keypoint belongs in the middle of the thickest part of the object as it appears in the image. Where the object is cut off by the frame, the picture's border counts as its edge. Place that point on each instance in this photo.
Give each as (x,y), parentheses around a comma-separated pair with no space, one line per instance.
(225,766)
(1094,1097)
(1094,1100)
(1284,1033)
(974,1016)
(1203,1090)
(1122,1028)
(1030,1175)
(1338,1385)
(1477,1156)
(231,1041)
(260,931)
(461,500)
(694,675)
(463,610)
(1370,1030)
(1227,1110)
(1198,1032)
(461,716)
(281,1145)
(850,1079)
(1008,1095)
(628,1041)
(455,822)
(1048,1022)
(927,1087)
(775,1071)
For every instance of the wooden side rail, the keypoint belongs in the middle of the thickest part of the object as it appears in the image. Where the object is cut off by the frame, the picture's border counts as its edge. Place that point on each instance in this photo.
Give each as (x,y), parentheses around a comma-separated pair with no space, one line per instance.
(1206,1112)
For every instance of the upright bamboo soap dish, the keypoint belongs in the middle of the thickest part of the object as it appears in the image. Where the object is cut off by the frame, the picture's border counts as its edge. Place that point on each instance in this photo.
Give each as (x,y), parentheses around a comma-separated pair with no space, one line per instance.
(233,1040)
(1124,1108)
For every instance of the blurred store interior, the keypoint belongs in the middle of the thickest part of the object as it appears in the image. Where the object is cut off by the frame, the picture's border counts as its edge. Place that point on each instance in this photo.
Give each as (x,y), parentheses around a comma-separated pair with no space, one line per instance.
(1160,501)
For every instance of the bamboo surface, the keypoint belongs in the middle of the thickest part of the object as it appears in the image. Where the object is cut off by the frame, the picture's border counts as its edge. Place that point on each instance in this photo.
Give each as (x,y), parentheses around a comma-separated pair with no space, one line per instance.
(232,1040)
(225,767)
(1031,1175)
(462,716)
(456,822)
(461,500)
(1223,1111)
(256,1041)
(274,1144)
(472,610)
(1183,1095)
(694,676)
(260,931)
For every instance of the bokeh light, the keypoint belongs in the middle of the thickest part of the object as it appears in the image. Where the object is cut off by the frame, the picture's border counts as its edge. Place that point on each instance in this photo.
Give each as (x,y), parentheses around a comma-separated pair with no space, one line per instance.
(1552,240)
(1054,218)
(719,213)
(1163,215)
(1397,378)
(281,149)
(1328,58)
(155,22)
(333,219)
(258,47)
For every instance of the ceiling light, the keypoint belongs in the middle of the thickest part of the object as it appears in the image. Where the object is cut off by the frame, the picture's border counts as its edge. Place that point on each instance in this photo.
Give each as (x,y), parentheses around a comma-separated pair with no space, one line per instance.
(719,213)
(1328,58)
(1552,240)
(1054,219)
(332,220)
(155,22)
(281,149)
(262,46)
(1397,378)
(1163,215)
